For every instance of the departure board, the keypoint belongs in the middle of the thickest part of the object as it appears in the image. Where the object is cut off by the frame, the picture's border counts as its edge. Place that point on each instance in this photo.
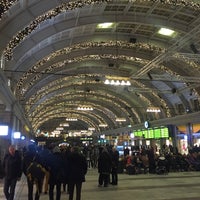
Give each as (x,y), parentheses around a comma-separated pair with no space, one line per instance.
(153,133)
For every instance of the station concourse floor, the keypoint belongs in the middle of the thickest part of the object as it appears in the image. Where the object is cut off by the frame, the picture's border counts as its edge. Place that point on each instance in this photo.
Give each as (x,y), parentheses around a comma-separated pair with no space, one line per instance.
(174,186)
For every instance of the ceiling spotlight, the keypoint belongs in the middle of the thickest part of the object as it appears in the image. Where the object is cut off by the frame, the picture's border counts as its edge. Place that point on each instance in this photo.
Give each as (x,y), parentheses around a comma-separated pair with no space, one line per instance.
(65,124)
(103,125)
(71,119)
(59,128)
(105,25)
(120,119)
(117,82)
(153,109)
(166,31)
(85,108)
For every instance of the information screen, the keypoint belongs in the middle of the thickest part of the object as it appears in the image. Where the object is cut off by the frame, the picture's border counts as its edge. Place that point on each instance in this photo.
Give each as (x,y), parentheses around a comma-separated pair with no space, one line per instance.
(151,133)
(164,132)
(157,132)
(139,133)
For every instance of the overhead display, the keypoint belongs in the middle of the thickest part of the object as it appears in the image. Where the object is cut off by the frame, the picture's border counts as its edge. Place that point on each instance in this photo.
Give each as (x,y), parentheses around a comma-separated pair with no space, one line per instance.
(153,133)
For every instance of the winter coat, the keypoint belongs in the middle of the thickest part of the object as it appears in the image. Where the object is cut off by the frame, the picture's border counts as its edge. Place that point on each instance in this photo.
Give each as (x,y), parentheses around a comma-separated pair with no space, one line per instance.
(30,156)
(55,165)
(104,163)
(12,166)
(76,167)
(115,158)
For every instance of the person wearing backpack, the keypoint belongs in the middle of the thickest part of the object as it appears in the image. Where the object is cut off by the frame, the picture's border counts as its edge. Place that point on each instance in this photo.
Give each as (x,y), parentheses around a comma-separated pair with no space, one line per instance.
(32,160)
(12,171)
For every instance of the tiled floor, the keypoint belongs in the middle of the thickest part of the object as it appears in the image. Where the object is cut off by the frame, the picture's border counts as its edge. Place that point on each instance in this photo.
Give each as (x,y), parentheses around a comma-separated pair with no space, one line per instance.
(174,186)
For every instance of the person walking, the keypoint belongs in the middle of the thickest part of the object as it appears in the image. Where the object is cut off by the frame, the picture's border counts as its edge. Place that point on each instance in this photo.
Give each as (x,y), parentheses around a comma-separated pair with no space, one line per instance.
(115,163)
(56,173)
(104,167)
(65,155)
(12,166)
(31,156)
(44,153)
(76,171)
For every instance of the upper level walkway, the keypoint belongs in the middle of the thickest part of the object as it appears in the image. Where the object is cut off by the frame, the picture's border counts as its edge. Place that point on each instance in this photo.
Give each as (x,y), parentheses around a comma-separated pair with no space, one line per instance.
(174,186)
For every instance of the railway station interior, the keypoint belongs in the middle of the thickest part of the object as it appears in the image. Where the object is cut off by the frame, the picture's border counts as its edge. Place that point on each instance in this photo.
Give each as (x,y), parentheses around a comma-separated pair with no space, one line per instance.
(124,73)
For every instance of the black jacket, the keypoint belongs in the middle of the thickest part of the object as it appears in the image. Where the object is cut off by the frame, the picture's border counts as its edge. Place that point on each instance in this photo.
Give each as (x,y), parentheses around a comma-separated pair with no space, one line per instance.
(115,159)
(76,167)
(104,163)
(12,166)
(55,165)
(29,156)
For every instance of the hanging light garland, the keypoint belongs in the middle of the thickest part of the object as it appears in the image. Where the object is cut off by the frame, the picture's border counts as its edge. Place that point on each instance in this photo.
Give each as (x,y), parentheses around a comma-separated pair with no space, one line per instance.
(21,35)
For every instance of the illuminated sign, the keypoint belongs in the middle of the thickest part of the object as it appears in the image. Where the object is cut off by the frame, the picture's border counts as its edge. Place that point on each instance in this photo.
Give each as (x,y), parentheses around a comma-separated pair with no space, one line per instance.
(16,135)
(153,133)
(3,130)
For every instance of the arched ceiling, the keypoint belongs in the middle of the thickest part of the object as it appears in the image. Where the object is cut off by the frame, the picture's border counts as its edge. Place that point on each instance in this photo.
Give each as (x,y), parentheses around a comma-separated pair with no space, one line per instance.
(57,58)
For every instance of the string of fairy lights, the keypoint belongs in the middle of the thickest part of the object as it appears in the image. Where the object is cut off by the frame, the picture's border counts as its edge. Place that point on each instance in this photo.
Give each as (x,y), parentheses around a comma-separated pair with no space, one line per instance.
(5,5)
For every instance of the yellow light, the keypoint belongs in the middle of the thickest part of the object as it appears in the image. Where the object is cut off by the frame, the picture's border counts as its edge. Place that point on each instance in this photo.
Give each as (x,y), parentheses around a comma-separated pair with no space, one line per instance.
(103,125)
(120,119)
(26,128)
(153,109)
(65,124)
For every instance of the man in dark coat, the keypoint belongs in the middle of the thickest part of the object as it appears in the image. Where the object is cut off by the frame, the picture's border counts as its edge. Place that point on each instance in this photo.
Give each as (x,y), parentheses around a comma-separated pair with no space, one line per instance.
(29,156)
(115,163)
(12,167)
(104,167)
(55,163)
(76,171)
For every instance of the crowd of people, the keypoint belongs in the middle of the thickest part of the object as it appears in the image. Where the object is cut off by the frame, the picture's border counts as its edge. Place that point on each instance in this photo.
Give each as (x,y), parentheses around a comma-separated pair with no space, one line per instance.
(55,168)
(167,160)
(47,168)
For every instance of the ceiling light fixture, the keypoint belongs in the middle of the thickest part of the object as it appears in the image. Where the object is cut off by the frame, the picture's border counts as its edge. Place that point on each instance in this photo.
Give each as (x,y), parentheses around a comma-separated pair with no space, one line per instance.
(103,125)
(71,119)
(120,119)
(85,108)
(59,128)
(153,109)
(166,31)
(65,124)
(117,82)
(55,132)
(105,25)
